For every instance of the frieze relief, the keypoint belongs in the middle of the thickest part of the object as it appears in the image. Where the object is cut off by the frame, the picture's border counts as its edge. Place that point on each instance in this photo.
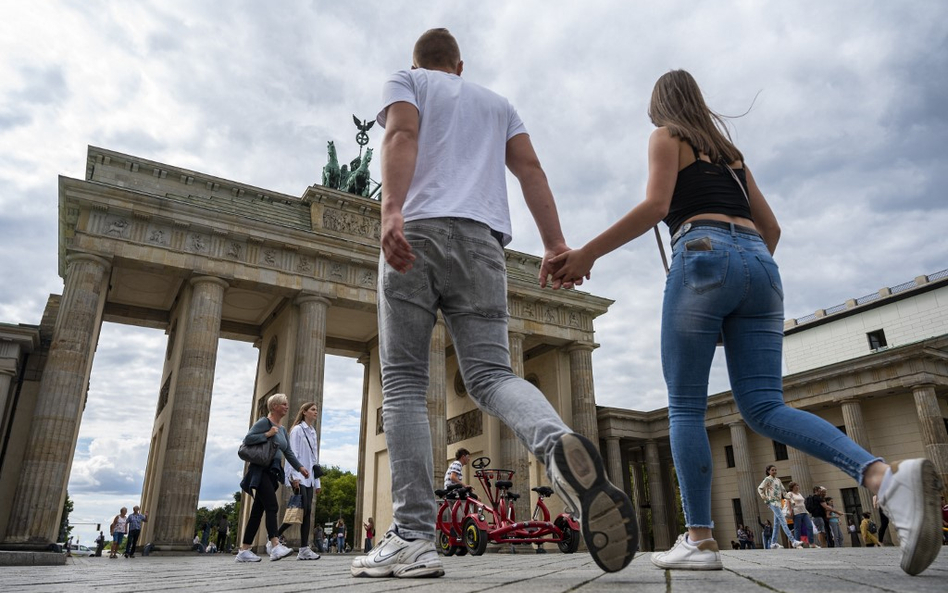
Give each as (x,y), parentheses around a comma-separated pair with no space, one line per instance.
(465,426)
(234,250)
(351,224)
(197,243)
(118,227)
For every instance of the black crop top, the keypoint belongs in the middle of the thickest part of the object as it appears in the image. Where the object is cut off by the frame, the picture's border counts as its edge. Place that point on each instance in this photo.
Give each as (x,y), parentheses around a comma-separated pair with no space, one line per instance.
(706,188)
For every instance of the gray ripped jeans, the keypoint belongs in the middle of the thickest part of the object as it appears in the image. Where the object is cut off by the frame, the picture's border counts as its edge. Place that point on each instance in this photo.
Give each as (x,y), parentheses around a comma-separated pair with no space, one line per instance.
(459,269)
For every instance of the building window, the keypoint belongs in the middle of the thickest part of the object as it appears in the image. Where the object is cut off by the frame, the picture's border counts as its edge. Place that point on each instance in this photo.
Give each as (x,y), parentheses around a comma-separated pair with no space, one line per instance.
(852,504)
(877,339)
(780,451)
(729,455)
(738,513)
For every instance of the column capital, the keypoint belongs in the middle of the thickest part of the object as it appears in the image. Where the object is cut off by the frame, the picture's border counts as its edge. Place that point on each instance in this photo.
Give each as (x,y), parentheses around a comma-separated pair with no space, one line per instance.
(736,423)
(364,358)
(918,386)
(580,346)
(517,335)
(7,371)
(77,257)
(212,279)
(309,297)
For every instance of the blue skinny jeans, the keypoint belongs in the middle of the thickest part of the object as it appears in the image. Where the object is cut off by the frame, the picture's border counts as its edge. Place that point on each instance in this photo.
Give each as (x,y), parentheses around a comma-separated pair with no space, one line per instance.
(733,289)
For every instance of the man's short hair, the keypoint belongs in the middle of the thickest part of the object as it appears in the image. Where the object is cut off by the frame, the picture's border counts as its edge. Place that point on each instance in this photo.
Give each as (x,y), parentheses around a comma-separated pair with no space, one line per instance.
(818,489)
(436,48)
(461,453)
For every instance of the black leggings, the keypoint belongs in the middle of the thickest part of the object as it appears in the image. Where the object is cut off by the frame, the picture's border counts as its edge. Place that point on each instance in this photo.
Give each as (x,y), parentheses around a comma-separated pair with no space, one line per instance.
(264,500)
(307,492)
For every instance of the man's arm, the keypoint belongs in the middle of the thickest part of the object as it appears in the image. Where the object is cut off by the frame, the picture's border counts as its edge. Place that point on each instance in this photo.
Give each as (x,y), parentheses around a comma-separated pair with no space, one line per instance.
(523,162)
(399,155)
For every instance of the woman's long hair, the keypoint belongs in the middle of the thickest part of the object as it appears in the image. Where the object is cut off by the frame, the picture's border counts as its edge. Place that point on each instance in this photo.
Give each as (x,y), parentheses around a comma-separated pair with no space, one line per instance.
(677,104)
(299,415)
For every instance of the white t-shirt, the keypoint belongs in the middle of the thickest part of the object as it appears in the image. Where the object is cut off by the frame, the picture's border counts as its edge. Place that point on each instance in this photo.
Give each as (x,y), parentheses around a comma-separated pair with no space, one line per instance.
(462,140)
(454,468)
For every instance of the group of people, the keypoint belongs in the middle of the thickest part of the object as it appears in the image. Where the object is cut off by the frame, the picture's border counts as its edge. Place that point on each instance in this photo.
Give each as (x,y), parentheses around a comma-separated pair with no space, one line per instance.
(445,222)
(124,525)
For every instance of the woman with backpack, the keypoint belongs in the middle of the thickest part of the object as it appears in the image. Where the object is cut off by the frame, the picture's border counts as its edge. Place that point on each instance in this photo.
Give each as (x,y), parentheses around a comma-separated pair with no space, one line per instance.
(868,529)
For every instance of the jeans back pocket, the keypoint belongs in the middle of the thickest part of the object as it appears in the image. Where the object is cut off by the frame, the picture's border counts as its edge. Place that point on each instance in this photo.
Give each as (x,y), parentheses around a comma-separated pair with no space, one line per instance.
(704,270)
(773,273)
(405,286)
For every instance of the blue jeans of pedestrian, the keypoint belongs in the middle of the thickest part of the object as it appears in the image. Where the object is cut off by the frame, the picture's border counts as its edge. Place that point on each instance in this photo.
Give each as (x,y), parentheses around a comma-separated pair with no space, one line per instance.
(459,269)
(734,290)
(781,521)
(802,527)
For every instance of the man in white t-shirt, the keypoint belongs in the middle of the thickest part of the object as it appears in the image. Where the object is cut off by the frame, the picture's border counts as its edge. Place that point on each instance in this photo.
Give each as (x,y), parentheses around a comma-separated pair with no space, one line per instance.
(454,473)
(445,221)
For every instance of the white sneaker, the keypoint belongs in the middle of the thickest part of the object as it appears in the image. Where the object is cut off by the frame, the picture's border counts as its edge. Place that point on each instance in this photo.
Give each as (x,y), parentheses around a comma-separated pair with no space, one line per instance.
(689,556)
(395,557)
(604,512)
(280,551)
(775,546)
(307,554)
(269,548)
(910,497)
(246,556)
(797,544)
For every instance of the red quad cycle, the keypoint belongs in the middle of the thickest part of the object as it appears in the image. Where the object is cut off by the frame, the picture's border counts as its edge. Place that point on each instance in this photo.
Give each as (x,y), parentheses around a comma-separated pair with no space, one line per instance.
(466,524)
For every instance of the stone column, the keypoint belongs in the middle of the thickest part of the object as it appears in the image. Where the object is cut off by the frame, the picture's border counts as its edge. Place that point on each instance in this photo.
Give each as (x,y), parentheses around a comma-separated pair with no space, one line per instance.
(746,478)
(800,469)
(656,491)
(47,460)
(309,361)
(856,430)
(932,426)
(513,454)
(6,388)
(187,427)
(640,498)
(614,461)
(581,388)
(365,360)
(437,403)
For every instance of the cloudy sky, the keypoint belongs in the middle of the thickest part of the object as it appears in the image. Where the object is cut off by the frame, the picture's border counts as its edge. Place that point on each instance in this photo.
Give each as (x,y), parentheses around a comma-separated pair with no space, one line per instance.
(846,138)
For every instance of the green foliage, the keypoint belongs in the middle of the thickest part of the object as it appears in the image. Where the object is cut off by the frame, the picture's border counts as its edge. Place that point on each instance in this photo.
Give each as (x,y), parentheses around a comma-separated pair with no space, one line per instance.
(337,498)
(211,516)
(64,527)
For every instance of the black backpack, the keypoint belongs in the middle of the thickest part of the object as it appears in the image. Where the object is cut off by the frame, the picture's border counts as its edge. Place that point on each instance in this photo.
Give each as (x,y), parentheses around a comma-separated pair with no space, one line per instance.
(872,527)
(811,505)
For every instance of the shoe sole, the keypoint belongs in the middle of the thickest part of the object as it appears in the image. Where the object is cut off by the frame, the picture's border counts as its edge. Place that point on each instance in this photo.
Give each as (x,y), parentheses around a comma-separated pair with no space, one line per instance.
(687,565)
(402,571)
(608,517)
(917,558)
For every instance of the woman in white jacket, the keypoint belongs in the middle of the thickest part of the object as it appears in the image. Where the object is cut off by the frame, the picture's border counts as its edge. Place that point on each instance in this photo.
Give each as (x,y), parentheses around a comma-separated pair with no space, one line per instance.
(304,443)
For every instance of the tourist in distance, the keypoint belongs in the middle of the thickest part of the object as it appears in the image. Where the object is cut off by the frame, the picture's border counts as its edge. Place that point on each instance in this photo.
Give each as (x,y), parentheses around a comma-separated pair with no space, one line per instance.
(117,530)
(772,492)
(724,282)
(262,482)
(445,220)
(304,443)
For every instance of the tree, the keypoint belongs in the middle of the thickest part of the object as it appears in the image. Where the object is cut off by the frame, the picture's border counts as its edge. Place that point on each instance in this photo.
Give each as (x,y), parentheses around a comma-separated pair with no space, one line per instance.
(337,498)
(231,510)
(64,527)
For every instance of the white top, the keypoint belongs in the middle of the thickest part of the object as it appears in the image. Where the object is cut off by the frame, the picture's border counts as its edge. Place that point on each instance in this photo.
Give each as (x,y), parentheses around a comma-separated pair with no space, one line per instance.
(462,140)
(306,448)
(454,468)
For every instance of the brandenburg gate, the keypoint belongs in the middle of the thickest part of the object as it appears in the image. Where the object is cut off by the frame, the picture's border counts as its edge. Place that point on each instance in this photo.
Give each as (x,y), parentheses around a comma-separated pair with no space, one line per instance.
(204,258)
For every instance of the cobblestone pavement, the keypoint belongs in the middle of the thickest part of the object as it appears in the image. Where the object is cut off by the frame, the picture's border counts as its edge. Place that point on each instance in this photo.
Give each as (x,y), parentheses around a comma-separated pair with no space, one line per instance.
(856,570)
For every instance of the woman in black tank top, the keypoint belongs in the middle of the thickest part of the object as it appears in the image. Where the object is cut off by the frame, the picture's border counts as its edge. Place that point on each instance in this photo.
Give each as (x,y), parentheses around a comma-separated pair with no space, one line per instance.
(723,281)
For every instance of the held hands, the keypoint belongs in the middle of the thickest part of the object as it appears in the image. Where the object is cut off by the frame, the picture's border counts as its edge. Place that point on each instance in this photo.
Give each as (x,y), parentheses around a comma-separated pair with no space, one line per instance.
(569,268)
(550,267)
(394,245)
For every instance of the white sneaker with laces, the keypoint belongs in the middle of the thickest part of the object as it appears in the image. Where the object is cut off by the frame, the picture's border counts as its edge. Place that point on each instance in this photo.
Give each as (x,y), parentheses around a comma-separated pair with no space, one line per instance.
(775,546)
(307,554)
(269,548)
(687,555)
(910,497)
(797,544)
(605,513)
(280,551)
(246,556)
(396,557)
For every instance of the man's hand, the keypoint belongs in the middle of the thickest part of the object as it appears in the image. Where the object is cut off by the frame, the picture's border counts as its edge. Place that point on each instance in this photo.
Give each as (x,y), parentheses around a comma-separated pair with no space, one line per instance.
(394,244)
(550,267)
(571,268)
